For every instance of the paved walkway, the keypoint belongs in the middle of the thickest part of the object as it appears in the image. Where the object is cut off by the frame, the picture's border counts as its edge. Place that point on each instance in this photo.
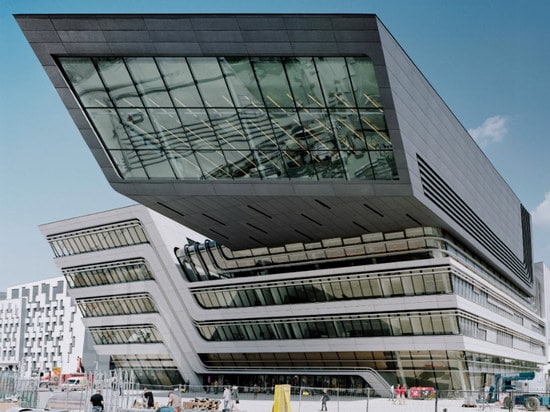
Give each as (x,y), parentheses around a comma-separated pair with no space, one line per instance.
(371,405)
(313,404)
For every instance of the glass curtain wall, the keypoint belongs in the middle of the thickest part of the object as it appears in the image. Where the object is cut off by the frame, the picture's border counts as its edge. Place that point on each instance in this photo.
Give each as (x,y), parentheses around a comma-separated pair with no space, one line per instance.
(98,238)
(234,118)
(447,371)
(108,273)
(155,371)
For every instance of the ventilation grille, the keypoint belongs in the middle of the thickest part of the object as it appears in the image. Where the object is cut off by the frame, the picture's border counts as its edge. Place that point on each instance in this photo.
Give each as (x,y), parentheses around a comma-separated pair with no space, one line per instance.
(527,246)
(447,200)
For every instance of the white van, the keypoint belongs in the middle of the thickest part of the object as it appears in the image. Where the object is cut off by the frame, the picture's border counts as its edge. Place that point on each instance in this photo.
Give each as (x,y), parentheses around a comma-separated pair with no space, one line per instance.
(74,384)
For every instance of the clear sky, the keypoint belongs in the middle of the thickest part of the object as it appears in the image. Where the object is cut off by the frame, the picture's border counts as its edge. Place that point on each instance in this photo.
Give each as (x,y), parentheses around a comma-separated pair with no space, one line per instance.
(488,59)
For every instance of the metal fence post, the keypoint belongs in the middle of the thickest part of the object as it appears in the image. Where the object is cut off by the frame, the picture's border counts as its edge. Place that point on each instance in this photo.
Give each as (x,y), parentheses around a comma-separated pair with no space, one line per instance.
(368,397)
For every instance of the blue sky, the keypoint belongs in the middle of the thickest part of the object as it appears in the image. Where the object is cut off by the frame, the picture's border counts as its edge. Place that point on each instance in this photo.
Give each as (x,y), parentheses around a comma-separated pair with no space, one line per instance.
(489,61)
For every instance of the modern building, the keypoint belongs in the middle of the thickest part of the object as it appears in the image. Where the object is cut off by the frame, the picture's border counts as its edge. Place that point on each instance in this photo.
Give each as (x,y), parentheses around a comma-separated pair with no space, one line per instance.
(41,330)
(126,281)
(357,231)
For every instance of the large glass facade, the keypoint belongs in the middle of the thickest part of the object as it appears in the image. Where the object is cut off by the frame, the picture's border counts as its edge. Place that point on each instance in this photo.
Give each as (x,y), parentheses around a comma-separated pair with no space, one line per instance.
(360,325)
(328,289)
(152,370)
(117,305)
(211,261)
(112,335)
(445,370)
(108,273)
(97,238)
(344,326)
(233,118)
(363,285)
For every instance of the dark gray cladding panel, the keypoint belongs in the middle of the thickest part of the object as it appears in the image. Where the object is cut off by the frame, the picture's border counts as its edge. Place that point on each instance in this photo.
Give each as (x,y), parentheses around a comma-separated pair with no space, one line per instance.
(251,221)
(214,33)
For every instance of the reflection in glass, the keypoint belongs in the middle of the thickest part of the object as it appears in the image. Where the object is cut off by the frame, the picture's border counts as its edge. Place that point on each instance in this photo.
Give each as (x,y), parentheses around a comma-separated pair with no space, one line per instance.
(184,164)
(108,273)
(198,129)
(179,82)
(363,78)
(109,126)
(413,323)
(169,129)
(304,82)
(118,83)
(234,118)
(99,238)
(213,164)
(82,74)
(148,81)
(210,82)
(335,82)
(272,82)
(228,130)
(241,81)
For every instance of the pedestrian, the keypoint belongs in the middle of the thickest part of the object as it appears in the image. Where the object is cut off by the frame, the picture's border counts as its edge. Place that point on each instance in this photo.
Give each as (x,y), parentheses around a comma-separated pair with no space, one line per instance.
(402,391)
(324,399)
(173,400)
(148,399)
(486,393)
(234,398)
(392,393)
(97,401)
(226,398)
(397,393)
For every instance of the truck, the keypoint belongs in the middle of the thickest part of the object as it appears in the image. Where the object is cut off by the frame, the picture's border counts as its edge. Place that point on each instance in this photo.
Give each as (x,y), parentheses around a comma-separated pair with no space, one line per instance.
(529,389)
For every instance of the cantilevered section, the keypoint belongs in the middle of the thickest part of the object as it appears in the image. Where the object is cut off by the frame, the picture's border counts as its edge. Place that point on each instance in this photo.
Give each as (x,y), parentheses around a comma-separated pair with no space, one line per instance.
(236,118)
(263,130)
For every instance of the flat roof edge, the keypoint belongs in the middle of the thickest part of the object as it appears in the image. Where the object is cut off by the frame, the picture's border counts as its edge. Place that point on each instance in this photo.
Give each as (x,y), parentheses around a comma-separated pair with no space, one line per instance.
(138,15)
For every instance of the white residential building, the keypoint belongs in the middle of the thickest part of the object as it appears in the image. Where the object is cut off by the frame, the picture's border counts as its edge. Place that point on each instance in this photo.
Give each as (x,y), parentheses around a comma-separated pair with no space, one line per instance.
(41,329)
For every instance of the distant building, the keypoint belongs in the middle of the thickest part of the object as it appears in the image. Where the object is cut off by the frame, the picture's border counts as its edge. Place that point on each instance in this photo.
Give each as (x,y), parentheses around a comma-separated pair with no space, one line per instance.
(359,235)
(543,300)
(10,332)
(41,330)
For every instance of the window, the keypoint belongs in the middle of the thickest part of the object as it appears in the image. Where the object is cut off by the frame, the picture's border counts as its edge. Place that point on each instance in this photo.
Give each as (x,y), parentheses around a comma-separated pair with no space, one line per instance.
(236,118)
(108,273)
(98,238)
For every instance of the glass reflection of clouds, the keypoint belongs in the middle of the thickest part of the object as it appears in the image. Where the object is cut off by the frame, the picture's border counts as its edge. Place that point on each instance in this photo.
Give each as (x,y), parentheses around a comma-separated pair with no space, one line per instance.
(234,118)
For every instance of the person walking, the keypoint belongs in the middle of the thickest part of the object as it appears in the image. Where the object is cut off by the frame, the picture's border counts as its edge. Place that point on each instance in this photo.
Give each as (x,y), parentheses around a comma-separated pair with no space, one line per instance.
(397,393)
(402,390)
(324,399)
(97,401)
(234,398)
(226,398)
